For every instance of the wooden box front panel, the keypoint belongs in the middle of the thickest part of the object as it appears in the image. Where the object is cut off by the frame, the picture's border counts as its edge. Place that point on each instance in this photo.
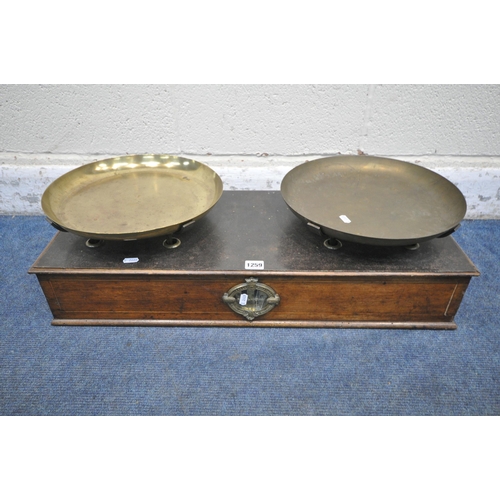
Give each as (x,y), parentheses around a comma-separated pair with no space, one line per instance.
(303,298)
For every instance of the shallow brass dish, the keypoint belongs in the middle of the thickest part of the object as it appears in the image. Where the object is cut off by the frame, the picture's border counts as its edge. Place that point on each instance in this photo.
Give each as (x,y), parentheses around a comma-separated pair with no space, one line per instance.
(372,200)
(131,197)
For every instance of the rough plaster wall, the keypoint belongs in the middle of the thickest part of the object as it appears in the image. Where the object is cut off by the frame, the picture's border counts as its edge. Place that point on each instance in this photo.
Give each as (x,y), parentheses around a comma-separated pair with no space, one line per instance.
(434,119)
(86,119)
(250,134)
(251,119)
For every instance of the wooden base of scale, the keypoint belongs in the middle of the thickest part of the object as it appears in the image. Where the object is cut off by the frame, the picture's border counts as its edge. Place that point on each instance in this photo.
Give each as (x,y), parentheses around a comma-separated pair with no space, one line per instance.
(251,262)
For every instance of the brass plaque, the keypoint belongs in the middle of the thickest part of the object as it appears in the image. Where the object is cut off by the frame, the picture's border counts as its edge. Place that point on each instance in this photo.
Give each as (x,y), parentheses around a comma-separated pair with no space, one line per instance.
(251,299)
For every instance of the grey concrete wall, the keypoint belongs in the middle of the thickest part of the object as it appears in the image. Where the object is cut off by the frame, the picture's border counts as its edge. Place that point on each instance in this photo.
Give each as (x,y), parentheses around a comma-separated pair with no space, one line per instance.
(251,119)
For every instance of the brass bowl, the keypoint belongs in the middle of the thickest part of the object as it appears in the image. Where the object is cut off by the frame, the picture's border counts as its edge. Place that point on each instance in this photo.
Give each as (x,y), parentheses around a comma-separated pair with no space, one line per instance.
(373,200)
(131,197)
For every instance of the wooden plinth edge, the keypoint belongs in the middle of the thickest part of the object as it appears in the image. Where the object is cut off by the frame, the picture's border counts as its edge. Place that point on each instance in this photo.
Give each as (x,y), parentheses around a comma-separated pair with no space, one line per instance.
(449,325)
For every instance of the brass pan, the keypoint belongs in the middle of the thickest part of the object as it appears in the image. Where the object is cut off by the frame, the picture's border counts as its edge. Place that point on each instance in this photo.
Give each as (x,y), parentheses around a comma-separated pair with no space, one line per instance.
(372,200)
(131,197)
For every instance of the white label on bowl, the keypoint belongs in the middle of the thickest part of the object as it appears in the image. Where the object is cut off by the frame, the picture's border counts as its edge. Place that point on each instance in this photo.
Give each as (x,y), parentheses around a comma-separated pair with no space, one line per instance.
(345,219)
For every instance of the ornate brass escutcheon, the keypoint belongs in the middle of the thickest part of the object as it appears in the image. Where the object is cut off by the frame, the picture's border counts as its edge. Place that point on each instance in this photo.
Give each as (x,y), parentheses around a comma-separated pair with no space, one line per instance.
(251,299)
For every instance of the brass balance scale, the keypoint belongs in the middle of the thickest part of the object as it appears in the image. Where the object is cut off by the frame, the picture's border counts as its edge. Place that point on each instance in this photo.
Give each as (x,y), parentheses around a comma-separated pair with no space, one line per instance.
(348,241)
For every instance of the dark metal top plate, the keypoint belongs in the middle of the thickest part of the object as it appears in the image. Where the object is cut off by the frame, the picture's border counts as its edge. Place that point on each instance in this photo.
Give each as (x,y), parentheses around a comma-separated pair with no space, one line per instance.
(252,225)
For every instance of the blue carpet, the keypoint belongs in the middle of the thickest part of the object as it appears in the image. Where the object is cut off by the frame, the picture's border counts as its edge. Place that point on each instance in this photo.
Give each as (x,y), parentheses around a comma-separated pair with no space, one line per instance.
(47,370)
